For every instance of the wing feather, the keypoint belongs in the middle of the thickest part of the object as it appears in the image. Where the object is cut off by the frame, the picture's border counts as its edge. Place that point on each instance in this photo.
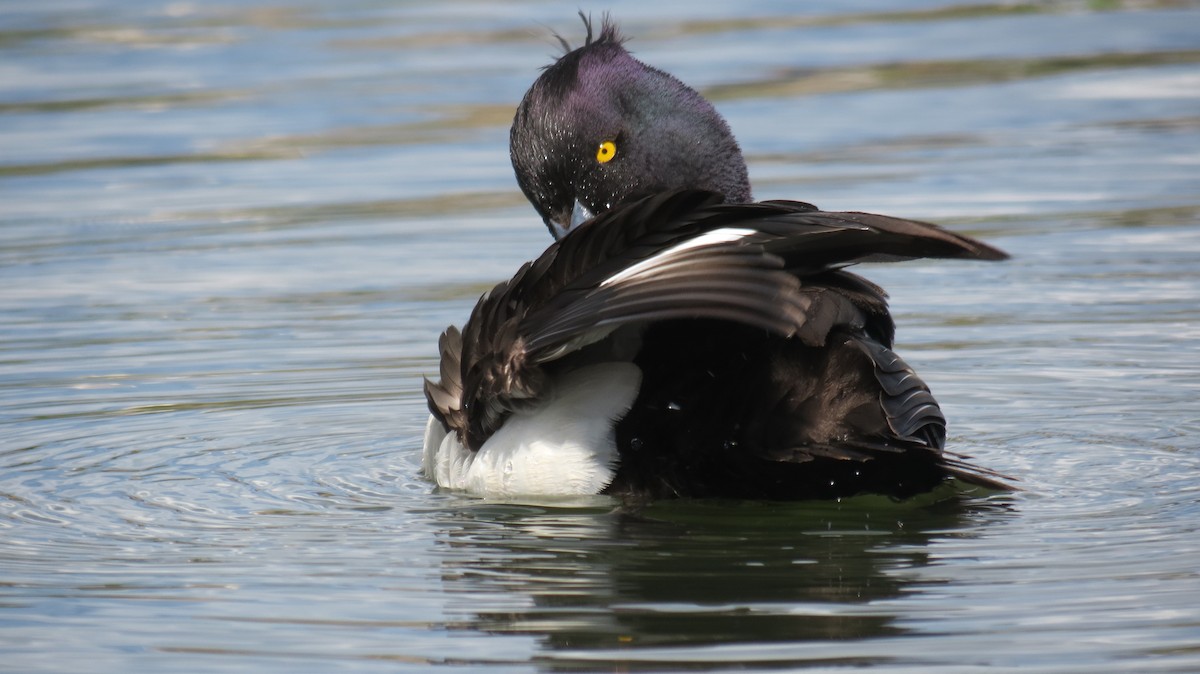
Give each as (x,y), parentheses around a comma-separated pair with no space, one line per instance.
(771,265)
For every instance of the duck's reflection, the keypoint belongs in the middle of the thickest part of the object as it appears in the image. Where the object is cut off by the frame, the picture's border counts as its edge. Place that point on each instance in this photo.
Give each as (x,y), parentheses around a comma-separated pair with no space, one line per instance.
(689,574)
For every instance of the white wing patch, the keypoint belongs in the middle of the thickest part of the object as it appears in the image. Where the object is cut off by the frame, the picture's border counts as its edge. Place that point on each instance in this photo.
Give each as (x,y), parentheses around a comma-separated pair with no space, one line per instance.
(723,235)
(564,447)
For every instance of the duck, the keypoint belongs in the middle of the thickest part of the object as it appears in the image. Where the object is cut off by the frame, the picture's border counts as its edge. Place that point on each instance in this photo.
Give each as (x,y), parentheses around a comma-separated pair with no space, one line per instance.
(678,339)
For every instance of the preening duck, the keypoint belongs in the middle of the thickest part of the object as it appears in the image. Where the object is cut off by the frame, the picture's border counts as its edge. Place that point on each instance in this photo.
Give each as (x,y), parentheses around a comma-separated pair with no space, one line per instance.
(684,340)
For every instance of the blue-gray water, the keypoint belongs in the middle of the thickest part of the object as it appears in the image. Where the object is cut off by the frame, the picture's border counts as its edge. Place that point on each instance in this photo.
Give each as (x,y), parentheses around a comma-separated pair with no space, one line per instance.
(230,234)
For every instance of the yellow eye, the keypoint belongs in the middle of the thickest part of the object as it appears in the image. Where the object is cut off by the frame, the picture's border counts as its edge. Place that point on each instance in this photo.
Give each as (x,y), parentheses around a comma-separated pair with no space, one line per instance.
(606,152)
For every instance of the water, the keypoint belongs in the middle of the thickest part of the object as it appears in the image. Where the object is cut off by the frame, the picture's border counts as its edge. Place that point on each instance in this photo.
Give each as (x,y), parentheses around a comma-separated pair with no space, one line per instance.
(230,235)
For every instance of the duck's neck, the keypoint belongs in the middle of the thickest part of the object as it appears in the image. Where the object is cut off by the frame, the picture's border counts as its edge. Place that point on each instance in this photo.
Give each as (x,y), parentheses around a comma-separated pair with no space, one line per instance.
(687,141)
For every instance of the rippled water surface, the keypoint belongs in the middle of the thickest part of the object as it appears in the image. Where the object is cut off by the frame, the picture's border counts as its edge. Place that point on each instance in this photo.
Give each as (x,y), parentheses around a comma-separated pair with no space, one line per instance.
(230,234)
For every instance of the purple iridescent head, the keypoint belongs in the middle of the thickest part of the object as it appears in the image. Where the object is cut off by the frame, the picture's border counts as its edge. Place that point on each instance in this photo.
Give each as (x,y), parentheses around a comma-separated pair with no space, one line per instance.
(600,127)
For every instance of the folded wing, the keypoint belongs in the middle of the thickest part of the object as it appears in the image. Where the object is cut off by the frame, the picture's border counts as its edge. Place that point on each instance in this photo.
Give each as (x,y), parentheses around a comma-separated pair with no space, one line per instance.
(776,266)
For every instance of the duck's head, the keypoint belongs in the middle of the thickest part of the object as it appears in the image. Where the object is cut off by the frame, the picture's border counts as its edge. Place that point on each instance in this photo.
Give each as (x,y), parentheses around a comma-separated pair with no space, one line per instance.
(600,127)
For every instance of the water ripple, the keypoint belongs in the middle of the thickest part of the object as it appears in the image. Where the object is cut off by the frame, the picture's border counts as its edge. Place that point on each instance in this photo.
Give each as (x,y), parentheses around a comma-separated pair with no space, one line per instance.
(232,235)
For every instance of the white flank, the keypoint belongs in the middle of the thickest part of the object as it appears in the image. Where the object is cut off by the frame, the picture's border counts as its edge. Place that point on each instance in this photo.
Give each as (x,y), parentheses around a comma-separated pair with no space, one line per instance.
(723,235)
(564,447)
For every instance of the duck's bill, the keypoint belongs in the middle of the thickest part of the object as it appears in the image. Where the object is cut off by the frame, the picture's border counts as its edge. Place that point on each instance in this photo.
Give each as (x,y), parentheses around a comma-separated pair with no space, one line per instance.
(579,215)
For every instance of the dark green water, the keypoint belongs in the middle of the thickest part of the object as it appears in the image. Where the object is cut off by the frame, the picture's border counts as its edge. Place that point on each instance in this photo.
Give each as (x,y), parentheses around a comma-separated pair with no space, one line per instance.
(231,233)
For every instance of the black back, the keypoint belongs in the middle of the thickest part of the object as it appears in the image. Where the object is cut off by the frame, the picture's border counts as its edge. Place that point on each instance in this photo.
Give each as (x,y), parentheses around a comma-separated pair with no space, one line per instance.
(762,358)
